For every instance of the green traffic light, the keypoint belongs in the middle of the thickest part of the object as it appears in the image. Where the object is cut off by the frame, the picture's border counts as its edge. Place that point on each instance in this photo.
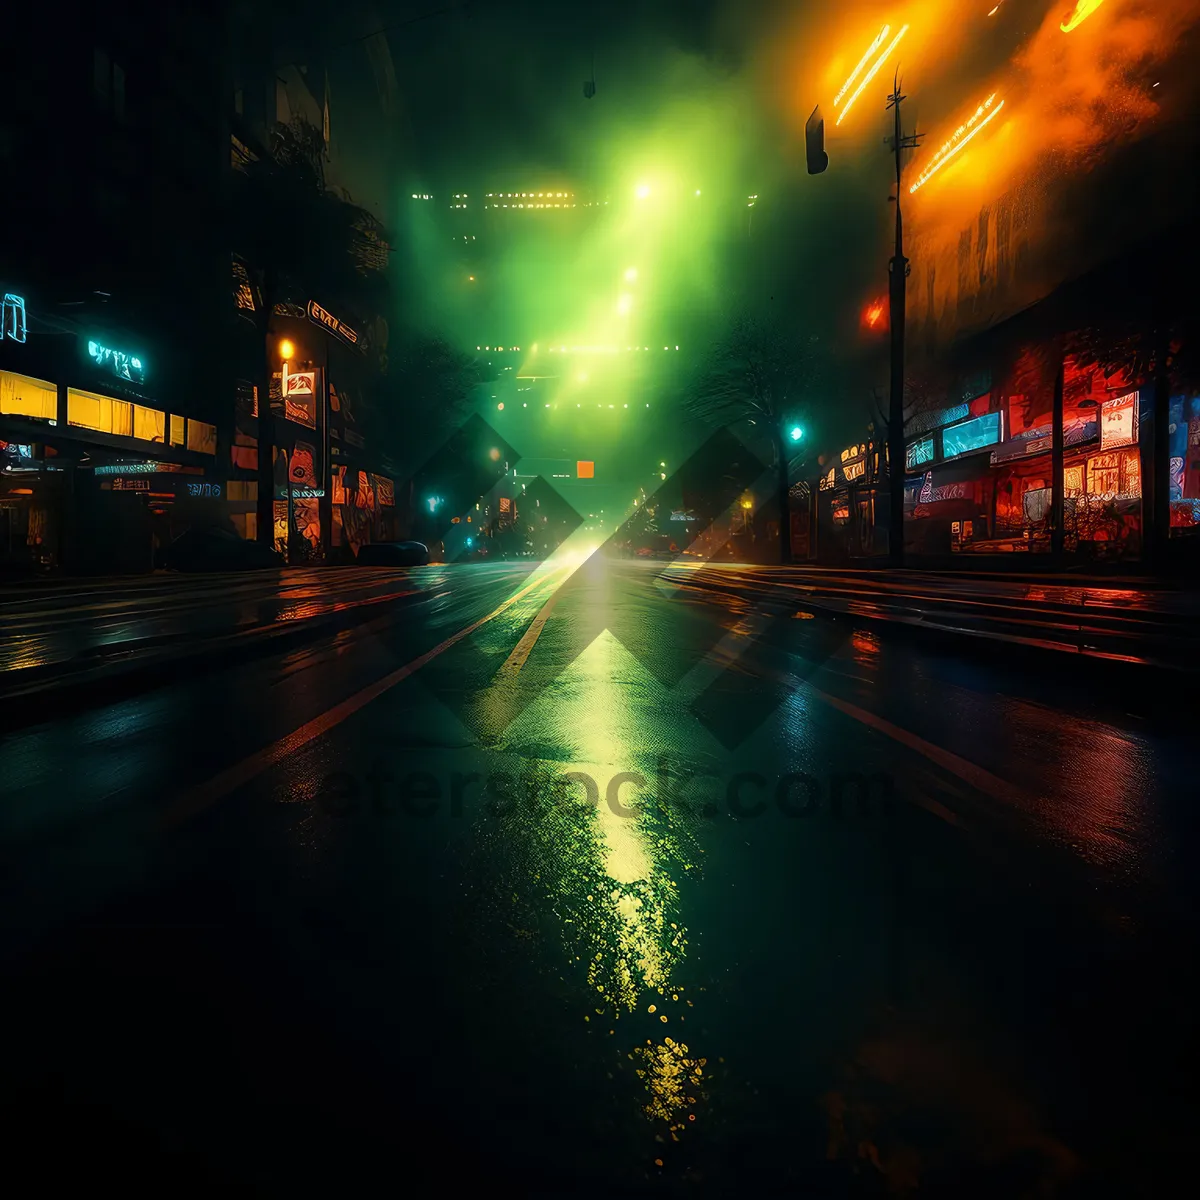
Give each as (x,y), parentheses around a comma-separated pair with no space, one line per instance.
(797,433)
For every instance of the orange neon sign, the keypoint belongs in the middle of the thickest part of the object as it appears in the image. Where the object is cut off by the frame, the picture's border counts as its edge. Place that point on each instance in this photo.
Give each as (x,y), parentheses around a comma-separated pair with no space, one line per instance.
(866,79)
(966,133)
(874,314)
(862,64)
(1083,10)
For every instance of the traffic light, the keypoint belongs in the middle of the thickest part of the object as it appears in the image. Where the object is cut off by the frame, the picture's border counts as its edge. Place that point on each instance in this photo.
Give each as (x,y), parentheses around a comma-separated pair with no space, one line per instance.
(796,433)
(814,143)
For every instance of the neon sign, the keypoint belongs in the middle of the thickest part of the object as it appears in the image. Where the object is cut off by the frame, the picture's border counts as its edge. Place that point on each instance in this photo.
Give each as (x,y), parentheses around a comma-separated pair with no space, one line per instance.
(122,365)
(13,323)
(321,316)
(133,468)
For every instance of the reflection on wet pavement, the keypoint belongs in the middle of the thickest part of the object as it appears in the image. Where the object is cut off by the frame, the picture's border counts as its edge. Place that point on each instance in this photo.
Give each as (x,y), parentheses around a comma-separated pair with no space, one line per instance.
(929,997)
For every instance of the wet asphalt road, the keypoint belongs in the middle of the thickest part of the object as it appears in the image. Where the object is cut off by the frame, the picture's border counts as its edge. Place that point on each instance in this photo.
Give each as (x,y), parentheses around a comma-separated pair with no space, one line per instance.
(570,881)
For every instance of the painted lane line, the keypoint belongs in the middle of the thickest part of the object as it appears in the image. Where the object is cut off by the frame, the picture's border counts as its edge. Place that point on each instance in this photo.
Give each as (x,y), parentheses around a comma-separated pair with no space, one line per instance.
(521,651)
(196,799)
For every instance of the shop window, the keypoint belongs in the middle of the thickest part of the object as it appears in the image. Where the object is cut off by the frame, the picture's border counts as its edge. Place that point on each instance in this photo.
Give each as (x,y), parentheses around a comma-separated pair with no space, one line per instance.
(23,396)
(88,410)
(149,424)
(201,437)
(242,489)
(1131,474)
(177,437)
(1104,475)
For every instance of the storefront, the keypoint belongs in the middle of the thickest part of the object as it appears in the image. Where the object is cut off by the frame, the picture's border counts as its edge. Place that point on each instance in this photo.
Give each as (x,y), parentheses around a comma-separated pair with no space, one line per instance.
(1184,467)
(848,525)
(78,412)
(979,475)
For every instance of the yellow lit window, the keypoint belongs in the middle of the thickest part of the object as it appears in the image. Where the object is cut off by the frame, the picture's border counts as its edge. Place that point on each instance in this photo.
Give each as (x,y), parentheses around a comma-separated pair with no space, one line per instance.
(22,396)
(101,413)
(149,424)
(201,436)
(176,430)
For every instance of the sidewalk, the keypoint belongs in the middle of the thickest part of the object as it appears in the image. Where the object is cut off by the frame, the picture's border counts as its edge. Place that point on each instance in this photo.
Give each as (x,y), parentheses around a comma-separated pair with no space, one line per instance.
(90,633)
(1125,620)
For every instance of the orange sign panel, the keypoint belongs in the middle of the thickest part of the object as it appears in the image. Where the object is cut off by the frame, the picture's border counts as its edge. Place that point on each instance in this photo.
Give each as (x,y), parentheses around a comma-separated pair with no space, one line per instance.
(585,470)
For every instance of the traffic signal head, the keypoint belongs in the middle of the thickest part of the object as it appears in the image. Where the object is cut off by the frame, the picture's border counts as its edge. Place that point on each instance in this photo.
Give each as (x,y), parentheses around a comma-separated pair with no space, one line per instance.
(814,143)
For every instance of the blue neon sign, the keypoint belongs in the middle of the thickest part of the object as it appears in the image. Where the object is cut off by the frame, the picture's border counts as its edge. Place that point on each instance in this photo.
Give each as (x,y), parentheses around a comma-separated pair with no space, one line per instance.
(975,434)
(122,365)
(12,321)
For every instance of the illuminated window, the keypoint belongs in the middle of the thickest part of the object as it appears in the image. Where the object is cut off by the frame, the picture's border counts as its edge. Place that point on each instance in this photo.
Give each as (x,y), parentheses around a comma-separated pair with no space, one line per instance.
(1104,475)
(23,396)
(242,489)
(88,410)
(201,437)
(149,424)
(176,430)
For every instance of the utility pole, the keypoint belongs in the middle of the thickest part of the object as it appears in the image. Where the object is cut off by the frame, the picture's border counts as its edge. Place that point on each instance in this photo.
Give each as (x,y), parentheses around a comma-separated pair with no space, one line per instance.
(898,298)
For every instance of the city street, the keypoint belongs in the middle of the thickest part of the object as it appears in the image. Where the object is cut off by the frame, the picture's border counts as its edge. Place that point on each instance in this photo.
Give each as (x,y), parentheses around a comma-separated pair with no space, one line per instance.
(598,877)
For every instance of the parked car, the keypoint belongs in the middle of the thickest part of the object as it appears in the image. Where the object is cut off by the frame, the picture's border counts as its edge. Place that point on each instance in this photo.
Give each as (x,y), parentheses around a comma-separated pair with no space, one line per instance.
(217,548)
(393,554)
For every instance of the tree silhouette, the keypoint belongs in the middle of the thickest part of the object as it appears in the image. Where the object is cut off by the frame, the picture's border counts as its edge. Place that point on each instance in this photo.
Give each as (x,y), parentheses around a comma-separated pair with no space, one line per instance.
(761,377)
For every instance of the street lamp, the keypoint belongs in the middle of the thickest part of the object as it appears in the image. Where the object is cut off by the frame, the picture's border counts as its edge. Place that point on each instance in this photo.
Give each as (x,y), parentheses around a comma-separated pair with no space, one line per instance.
(287,351)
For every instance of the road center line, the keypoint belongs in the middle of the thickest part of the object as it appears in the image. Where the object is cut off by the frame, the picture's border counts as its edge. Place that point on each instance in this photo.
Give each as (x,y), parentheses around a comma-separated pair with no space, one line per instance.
(979,778)
(196,799)
(521,651)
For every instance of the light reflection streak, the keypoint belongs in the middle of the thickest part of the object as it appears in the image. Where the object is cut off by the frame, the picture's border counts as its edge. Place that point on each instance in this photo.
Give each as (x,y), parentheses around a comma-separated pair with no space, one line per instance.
(866,58)
(964,135)
(1083,10)
(608,869)
(871,74)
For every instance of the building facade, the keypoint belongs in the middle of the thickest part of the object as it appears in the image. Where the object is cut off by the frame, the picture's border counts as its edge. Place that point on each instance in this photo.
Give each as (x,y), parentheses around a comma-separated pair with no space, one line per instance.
(112,392)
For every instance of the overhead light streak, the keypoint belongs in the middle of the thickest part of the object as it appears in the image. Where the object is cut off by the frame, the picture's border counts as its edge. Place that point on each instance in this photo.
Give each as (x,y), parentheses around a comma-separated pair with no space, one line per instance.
(1083,10)
(862,66)
(963,136)
(858,91)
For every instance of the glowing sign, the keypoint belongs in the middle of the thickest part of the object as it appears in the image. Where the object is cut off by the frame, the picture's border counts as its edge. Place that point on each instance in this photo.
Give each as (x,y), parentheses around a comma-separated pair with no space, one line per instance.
(13,323)
(585,470)
(137,468)
(212,490)
(919,452)
(862,64)
(122,365)
(321,317)
(1119,421)
(854,470)
(858,91)
(1083,10)
(967,436)
(963,136)
(302,383)
(874,313)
